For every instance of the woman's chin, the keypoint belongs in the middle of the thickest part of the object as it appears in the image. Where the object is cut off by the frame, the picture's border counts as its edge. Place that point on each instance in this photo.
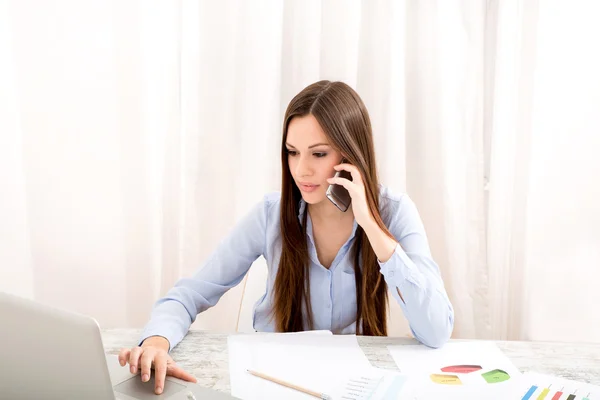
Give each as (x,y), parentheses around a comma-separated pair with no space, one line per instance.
(313,198)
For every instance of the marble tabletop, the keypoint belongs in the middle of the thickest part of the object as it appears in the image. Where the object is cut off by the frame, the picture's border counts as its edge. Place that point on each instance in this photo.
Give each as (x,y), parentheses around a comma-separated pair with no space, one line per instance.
(205,355)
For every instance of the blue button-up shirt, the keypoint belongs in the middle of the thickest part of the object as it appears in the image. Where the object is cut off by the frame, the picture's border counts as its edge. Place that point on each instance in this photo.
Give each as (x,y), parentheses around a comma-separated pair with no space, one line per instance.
(411,270)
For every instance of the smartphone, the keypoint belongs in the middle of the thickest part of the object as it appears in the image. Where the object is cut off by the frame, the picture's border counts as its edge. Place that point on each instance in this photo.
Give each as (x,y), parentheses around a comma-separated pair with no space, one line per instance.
(338,194)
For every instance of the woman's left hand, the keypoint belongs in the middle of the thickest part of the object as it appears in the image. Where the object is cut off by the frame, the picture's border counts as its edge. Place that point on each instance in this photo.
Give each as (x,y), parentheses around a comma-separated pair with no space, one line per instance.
(356,188)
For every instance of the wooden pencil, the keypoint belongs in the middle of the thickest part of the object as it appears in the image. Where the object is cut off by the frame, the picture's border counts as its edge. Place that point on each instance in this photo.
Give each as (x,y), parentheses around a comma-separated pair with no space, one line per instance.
(318,395)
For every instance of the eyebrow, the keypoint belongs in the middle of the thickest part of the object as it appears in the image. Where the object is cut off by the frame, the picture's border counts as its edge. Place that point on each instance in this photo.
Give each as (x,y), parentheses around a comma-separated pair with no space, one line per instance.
(310,147)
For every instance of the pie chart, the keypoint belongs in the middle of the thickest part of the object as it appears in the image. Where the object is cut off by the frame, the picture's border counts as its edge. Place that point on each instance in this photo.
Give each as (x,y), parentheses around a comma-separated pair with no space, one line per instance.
(446,379)
(452,372)
(462,369)
(495,376)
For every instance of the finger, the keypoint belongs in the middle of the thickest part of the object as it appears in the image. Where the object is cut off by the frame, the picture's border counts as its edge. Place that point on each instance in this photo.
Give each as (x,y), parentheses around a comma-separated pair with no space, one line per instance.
(160,372)
(178,372)
(124,356)
(134,359)
(350,186)
(356,176)
(146,363)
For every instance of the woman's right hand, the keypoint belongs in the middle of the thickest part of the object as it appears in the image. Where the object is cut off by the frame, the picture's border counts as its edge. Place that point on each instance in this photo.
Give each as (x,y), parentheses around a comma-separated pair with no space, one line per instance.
(153,354)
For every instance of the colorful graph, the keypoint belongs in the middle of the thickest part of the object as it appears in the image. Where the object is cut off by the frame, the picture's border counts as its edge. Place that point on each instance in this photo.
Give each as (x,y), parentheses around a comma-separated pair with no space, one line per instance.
(538,393)
(446,379)
(493,376)
(462,369)
(537,386)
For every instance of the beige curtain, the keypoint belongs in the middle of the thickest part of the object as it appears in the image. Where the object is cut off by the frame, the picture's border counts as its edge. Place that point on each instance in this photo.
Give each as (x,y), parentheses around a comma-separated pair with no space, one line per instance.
(134,134)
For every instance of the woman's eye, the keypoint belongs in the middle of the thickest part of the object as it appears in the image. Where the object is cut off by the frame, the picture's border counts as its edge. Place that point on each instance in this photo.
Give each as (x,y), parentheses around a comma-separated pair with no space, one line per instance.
(292,152)
(319,155)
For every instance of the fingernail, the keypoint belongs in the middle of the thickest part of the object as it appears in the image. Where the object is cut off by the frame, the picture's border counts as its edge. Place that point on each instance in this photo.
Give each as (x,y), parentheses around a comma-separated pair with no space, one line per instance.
(145,377)
(133,369)
(158,390)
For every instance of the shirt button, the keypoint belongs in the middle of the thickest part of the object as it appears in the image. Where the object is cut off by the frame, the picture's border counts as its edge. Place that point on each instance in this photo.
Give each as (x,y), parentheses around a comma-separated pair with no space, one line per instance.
(391,274)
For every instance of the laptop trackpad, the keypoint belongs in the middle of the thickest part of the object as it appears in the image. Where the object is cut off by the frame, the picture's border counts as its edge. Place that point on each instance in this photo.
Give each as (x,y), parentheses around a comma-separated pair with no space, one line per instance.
(135,388)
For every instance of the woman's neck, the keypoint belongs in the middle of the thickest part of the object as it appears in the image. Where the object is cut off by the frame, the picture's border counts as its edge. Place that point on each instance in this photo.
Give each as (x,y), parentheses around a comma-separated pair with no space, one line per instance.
(326,212)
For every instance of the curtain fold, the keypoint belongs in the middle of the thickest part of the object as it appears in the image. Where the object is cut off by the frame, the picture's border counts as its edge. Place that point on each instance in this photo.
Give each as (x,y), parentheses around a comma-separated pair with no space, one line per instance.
(133,135)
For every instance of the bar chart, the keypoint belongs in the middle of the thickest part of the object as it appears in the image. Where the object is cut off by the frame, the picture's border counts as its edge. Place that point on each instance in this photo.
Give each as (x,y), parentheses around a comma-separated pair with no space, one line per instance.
(543,387)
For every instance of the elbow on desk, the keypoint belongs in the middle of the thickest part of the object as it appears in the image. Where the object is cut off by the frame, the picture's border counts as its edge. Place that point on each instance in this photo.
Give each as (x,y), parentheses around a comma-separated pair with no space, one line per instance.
(438,332)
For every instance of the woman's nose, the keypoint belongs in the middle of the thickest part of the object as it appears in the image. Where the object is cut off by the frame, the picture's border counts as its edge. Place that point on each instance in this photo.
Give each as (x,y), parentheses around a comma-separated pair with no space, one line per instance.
(303,168)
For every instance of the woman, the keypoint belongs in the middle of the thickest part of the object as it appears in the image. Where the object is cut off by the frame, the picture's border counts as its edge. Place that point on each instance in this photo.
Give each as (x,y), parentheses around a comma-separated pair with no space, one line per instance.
(328,269)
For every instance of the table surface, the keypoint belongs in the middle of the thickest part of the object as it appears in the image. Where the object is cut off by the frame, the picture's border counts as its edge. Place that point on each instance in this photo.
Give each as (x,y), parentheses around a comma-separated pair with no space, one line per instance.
(205,355)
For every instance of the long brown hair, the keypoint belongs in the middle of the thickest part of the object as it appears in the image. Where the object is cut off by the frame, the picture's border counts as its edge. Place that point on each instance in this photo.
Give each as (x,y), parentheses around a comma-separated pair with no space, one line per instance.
(345,120)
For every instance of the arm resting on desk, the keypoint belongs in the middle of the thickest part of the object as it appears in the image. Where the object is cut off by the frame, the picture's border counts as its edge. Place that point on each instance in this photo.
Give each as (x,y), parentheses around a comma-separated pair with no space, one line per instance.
(173,314)
(414,278)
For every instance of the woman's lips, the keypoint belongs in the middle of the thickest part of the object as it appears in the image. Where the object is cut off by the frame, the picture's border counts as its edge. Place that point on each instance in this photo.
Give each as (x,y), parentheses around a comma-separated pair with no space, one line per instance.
(307,187)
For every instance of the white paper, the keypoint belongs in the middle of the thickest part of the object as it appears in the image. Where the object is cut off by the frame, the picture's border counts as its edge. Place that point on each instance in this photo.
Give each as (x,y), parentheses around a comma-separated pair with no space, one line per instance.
(318,362)
(427,368)
(372,384)
(533,385)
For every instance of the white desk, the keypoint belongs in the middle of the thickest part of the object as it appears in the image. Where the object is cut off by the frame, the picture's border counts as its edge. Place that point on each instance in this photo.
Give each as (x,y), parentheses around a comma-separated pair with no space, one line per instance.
(205,355)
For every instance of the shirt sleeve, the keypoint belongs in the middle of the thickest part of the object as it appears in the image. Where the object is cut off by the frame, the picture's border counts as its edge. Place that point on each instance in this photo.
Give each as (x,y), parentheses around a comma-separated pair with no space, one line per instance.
(173,314)
(412,272)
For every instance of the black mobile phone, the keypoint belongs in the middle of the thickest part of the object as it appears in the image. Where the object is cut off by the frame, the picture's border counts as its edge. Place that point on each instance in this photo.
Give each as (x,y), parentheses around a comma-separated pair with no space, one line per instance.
(338,194)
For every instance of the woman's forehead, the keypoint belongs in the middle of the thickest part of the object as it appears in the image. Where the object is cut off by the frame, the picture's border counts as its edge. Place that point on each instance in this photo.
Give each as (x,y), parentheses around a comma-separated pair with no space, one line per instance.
(305,131)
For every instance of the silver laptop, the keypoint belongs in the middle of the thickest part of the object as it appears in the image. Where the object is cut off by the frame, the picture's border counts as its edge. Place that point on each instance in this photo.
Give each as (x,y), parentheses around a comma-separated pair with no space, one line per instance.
(48,353)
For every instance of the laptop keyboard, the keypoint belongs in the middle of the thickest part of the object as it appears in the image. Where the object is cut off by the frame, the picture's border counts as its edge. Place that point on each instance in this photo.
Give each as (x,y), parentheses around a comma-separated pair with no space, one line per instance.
(137,389)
